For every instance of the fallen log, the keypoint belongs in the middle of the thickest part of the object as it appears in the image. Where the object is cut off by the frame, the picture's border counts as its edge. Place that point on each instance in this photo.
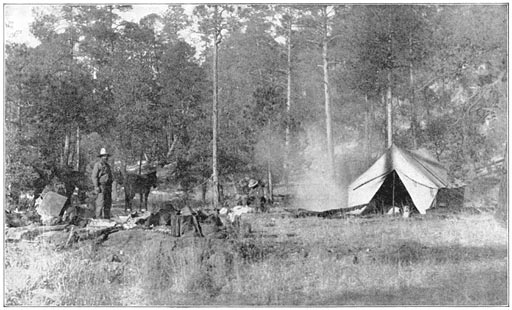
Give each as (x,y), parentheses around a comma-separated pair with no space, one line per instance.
(30,232)
(64,239)
(87,233)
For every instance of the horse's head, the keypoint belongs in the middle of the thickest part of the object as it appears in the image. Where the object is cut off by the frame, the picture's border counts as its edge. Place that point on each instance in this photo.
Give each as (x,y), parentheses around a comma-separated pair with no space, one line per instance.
(118,175)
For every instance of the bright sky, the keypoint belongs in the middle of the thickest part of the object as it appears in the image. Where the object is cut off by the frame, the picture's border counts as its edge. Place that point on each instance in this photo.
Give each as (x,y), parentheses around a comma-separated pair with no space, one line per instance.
(17,18)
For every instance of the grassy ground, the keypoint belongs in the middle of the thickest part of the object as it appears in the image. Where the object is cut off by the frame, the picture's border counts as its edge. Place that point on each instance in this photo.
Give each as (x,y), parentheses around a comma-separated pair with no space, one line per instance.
(457,260)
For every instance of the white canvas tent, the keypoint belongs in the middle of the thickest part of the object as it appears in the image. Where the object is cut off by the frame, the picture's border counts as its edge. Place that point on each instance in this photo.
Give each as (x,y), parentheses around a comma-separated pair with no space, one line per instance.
(421,175)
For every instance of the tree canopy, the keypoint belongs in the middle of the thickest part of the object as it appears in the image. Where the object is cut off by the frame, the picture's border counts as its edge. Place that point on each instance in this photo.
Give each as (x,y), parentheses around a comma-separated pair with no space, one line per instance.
(141,88)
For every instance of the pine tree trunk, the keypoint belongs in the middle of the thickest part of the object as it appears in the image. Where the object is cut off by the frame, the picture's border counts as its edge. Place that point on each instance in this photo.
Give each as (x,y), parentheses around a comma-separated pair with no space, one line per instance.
(367,130)
(170,138)
(288,108)
(140,162)
(328,125)
(270,184)
(78,148)
(204,188)
(65,157)
(389,109)
(389,104)
(215,175)
(412,98)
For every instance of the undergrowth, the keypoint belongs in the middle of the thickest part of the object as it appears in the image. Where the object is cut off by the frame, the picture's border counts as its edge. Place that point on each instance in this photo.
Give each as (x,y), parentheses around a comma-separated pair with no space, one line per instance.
(310,261)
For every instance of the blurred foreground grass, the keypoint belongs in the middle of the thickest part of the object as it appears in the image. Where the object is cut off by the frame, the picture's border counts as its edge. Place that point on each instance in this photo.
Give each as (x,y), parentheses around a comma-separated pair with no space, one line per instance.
(460,260)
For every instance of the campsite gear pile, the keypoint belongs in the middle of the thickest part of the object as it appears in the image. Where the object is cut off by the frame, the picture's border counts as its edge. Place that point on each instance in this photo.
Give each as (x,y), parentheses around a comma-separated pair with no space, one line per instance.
(234,214)
(235,221)
(252,193)
(78,222)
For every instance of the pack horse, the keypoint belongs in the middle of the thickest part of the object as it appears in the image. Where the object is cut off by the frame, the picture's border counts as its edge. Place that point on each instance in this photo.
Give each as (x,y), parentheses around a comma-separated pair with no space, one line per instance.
(138,184)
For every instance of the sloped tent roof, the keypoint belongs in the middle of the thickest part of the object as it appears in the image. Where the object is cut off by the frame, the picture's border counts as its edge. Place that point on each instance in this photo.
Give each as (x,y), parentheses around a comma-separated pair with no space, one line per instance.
(420,173)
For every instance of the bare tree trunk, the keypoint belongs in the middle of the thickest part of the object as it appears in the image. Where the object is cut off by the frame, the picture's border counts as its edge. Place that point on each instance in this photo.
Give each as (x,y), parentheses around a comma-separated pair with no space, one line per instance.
(367,131)
(204,189)
(71,157)
(65,157)
(140,162)
(288,108)
(215,175)
(389,97)
(270,184)
(389,109)
(78,148)
(412,98)
(328,125)
(463,140)
(171,145)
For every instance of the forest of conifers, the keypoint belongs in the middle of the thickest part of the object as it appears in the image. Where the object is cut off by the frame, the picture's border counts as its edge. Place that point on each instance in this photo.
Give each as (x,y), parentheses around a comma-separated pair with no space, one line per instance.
(282,79)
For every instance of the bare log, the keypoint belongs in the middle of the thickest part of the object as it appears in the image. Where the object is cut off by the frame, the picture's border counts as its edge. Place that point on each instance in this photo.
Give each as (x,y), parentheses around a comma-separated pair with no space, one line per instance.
(71,233)
(87,233)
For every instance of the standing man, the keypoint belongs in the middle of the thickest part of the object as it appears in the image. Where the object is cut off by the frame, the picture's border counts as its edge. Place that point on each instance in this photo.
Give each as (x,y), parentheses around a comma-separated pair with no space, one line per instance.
(102,180)
(257,194)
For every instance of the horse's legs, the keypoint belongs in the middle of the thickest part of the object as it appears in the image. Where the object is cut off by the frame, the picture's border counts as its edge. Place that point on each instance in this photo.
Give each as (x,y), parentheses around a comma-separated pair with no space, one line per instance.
(141,200)
(127,199)
(146,194)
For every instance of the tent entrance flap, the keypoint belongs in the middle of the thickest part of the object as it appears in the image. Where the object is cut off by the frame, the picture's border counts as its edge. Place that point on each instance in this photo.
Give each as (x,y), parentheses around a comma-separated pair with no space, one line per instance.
(392,192)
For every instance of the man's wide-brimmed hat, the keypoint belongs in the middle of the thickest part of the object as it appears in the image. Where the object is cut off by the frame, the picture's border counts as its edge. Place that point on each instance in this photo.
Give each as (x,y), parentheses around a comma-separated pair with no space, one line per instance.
(103,152)
(253,182)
